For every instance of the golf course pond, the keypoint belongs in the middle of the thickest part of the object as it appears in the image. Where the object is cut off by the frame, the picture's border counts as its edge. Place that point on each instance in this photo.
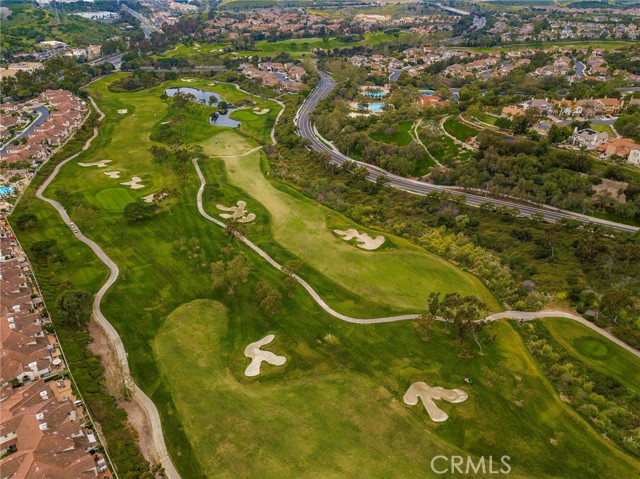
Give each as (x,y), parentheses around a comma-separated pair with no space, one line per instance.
(204,97)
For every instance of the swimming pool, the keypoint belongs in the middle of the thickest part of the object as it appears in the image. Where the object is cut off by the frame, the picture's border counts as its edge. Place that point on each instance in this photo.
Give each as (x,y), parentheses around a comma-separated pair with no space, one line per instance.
(7,190)
(376,107)
(427,92)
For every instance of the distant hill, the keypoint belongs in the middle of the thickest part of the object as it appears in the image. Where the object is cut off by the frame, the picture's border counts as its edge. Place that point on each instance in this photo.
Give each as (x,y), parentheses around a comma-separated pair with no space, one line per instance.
(27,25)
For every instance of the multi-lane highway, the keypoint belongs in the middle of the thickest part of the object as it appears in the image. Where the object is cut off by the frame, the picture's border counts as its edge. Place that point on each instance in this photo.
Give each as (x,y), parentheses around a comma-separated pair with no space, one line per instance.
(306,130)
(146,26)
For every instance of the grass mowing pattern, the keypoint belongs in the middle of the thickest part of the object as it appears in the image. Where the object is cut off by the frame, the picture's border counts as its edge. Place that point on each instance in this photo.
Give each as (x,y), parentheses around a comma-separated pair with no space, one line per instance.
(334,408)
(399,275)
(344,403)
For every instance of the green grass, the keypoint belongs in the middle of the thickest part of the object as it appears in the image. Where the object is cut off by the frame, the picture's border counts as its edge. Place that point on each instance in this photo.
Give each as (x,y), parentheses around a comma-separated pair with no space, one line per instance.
(447,150)
(115,199)
(400,136)
(335,408)
(256,122)
(28,24)
(182,50)
(596,352)
(459,130)
(484,117)
(604,129)
(607,45)
(305,228)
(227,91)
(296,47)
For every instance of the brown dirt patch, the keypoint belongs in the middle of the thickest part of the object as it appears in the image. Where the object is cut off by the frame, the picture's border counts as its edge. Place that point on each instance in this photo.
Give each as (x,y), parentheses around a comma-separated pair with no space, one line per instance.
(136,417)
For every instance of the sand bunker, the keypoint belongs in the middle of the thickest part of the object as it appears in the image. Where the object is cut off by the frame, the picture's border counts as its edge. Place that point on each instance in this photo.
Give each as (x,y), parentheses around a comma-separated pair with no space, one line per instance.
(188,80)
(149,198)
(257,355)
(123,111)
(428,395)
(258,111)
(134,184)
(364,240)
(238,212)
(112,174)
(99,164)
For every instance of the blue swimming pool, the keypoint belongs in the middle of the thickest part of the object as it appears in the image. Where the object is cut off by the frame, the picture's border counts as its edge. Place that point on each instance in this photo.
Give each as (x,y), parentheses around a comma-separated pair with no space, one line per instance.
(376,107)
(7,190)
(427,92)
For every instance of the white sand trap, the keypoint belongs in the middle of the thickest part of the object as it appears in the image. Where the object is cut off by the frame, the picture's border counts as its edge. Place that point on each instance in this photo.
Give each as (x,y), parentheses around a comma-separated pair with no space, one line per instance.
(257,355)
(258,111)
(134,184)
(188,80)
(428,395)
(99,164)
(112,174)
(364,240)
(149,198)
(123,112)
(238,212)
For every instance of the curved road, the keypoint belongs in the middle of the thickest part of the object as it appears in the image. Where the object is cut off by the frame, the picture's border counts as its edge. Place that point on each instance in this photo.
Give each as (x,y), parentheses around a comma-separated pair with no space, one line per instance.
(158,443)
(147,405)
(326,85)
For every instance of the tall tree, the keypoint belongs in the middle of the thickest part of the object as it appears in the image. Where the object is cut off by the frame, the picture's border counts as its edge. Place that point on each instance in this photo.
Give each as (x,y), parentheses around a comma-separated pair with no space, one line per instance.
(74,307)
(230,273)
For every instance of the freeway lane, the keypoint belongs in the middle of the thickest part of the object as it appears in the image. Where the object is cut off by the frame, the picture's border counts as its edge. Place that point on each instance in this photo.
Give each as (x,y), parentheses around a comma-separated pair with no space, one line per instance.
(305,128)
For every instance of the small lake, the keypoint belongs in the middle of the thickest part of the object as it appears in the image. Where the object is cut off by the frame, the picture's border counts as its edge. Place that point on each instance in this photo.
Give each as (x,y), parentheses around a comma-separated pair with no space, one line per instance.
(203,96)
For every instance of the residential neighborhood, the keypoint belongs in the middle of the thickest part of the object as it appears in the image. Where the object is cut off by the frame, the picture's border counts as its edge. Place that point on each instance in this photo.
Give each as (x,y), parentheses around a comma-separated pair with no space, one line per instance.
(284,77)
(31,132)
(45,430)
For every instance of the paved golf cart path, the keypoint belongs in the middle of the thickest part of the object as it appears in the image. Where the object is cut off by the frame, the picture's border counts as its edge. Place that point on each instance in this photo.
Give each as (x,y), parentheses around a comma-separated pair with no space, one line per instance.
(157,439)
(520,315)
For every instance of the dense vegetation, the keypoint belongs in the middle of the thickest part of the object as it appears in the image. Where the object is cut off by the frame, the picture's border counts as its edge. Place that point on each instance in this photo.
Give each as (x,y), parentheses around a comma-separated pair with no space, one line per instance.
(628,124)
(612,408)
(542,174)
(29,24)
(525,262)
(58,73)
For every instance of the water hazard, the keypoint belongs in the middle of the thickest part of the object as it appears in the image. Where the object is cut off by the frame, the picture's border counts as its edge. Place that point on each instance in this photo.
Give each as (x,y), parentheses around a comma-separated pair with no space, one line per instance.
(208,98)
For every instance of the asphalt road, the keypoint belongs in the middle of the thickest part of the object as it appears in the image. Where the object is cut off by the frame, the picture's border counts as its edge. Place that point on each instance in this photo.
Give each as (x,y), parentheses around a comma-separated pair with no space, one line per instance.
(305,128)
(146,26)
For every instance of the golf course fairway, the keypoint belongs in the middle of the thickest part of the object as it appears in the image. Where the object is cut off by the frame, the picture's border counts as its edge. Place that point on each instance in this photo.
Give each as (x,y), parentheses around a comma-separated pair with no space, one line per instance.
(334,408)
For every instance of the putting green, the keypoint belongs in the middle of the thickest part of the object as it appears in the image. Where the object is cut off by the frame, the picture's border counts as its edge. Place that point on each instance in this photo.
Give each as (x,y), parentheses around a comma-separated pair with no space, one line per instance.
(596,352)
(274,429)
(400,276)
(334,409)
(114,199)
(314,417)
(593,348)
